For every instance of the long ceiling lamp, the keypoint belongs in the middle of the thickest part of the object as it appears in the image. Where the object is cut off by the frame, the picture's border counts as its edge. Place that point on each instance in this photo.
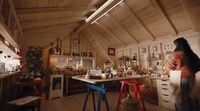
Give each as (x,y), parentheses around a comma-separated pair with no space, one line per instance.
(99,10)
(107,11)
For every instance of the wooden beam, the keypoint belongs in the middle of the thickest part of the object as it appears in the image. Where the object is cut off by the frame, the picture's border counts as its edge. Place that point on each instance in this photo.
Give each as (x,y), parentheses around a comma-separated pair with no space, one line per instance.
(160,9)
(92,2)
(60,3)
(122,28)
(50,29)
(1,5)
(67,31)
(62,35)
(9,19)
(106,30)
(50,22)
(42,11)
(187,11)
(101,46)
(101,36)
(15,15)
(138,21)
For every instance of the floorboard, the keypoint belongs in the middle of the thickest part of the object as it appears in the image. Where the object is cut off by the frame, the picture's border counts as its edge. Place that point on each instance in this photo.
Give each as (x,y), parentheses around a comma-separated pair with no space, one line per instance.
(75,103)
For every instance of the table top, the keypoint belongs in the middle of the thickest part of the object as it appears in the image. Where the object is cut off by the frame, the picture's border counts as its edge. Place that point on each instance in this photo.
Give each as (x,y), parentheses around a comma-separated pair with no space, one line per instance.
(95,81)
(24,100)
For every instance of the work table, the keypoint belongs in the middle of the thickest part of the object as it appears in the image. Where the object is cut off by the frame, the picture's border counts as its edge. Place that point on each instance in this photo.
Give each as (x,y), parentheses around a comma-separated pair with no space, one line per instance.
(3,76)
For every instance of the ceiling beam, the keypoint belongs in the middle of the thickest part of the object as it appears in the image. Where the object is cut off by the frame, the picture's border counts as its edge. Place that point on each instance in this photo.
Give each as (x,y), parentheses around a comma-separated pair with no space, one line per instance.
(42,11)
(100,45)
(15,15)
(184,4)
(106,30)
(64,34)
(161,10)
(122,28)
(101,36)
(60,3)
(138,21)
(50,22)
(49,28)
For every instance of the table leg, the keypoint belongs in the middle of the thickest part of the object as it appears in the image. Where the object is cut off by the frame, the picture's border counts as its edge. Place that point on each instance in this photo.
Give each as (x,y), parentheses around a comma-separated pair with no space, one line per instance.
(86,98)
(120,94)
(93,100)
(106,102)
(99,102)
(102,96)
(140,95)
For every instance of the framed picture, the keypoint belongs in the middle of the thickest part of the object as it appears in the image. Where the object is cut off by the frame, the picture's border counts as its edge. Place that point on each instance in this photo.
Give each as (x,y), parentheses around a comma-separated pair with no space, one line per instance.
(155,48)
(143,50)
(111,51)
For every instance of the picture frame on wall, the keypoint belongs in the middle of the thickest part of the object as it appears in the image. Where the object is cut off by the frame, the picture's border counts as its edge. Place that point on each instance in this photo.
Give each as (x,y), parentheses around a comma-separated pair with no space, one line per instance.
(111,51)
(155,48)
(144,50)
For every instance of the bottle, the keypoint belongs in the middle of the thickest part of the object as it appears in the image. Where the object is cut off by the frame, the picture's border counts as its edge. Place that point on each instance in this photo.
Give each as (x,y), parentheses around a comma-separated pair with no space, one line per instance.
(57,47)
(51,49)
(60,46)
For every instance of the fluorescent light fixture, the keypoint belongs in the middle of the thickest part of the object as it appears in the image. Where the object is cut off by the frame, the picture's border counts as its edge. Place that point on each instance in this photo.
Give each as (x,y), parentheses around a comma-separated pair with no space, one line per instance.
(107,11)
(99,10)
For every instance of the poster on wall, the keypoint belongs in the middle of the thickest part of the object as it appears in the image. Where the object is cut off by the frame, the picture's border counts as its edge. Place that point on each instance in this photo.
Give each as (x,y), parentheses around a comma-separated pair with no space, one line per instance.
(143,53)
(168,47)
(134,55)
(155,51)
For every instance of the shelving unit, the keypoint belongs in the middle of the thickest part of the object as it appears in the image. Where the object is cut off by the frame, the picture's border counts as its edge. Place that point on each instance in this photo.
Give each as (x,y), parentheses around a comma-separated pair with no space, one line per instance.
(76,49)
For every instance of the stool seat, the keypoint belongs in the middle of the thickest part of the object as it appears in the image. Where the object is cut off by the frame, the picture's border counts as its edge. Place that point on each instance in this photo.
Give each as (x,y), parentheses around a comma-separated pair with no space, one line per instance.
(25,101)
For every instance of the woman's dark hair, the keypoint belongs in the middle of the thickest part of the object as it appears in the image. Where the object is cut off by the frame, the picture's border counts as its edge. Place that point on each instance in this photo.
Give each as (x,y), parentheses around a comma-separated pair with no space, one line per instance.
(190,58)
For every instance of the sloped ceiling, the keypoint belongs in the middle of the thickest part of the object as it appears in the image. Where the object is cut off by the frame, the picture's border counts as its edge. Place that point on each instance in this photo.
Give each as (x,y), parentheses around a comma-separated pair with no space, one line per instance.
(131,22)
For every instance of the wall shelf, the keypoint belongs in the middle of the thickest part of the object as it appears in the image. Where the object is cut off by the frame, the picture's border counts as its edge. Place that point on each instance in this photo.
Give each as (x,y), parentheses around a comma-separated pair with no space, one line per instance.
(7,50)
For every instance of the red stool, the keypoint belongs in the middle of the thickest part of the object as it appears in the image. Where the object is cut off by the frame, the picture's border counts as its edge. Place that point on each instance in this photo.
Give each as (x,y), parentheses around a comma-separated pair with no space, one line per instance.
(138,94)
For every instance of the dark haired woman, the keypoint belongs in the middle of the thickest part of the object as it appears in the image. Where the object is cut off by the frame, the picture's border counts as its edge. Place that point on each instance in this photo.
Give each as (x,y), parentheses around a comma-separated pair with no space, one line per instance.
(184,59)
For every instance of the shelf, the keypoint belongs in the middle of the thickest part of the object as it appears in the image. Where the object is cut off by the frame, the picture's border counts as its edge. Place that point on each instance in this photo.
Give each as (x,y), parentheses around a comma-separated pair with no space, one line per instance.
(7,50)
(3,76)
(55,55)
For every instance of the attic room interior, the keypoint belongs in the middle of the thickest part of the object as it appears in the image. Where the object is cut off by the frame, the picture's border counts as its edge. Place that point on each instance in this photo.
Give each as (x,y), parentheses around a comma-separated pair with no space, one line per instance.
(99,55)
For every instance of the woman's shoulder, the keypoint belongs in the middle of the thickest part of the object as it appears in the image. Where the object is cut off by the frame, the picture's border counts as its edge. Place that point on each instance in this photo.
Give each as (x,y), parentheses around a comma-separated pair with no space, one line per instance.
(178,53)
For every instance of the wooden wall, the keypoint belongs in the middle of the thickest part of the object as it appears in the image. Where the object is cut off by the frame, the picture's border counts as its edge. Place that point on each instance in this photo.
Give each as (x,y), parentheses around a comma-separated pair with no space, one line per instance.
(192,37)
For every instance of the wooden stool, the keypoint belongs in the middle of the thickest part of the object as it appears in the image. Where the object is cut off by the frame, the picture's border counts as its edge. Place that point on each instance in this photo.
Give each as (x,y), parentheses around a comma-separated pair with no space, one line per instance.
(28,102)
(138,94)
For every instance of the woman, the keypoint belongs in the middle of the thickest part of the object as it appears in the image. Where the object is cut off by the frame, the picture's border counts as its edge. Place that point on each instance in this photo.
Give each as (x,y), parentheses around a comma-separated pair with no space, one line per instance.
(184,59)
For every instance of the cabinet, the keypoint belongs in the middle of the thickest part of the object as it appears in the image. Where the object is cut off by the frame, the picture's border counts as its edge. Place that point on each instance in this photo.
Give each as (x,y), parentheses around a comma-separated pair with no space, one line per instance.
(56,86)
(164,94)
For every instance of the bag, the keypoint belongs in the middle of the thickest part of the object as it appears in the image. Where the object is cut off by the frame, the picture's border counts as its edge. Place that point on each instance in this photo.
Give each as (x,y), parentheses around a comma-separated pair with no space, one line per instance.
(129,104)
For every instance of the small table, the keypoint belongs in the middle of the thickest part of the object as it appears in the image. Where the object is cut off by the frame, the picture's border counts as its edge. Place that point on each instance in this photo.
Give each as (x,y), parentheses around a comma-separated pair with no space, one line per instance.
(98,85)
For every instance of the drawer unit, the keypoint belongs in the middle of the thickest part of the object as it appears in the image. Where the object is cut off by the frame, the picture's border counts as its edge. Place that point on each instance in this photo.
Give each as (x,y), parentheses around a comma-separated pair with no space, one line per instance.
(164,94)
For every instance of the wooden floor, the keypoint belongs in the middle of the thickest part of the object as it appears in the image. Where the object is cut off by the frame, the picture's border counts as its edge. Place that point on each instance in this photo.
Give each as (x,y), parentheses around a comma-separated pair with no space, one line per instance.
(75,103)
